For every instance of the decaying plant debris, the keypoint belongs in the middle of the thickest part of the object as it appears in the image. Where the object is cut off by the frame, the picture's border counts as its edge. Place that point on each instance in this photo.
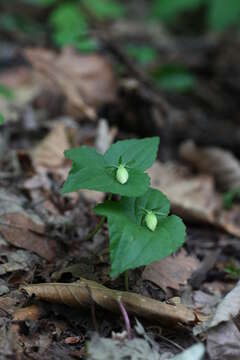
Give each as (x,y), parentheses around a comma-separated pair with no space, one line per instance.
(84,292)
(105,75)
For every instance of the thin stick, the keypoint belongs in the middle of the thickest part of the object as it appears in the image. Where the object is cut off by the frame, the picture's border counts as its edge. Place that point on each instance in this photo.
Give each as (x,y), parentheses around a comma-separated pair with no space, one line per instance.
(126,319)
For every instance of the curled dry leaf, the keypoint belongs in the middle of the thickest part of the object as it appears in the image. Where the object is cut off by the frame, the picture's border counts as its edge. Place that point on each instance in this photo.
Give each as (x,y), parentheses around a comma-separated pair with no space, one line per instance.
(87,81)
(171,272)
(222,164)
(194,197)
(82,294)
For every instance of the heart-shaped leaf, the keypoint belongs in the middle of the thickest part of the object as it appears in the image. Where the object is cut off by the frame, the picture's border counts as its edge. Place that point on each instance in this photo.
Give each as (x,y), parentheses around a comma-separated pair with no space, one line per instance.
(93,171)
(132,244)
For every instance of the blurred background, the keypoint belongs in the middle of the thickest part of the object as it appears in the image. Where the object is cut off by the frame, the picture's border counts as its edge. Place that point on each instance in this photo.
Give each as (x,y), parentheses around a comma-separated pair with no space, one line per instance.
(175,63)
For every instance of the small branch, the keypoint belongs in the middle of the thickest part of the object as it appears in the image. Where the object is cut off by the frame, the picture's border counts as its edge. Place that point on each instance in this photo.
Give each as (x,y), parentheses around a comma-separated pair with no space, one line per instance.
(126,319)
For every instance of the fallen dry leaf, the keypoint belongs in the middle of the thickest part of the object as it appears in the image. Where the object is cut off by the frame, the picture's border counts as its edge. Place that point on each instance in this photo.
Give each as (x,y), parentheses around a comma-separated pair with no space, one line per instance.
(31,312)
(22,260)
(222,164)
(194,196)
(171,272)
(82,294)
(223,342)
(7,305)
(21,231)
(228,308)
(50,151)
(87,81)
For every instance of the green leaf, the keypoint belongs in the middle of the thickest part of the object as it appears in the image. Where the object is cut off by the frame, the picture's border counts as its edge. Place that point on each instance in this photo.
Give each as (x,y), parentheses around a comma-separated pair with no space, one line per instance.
(222,14)
(1,119)
(143,152)
(93,171)
(87,45)
(69,24)
(233,271)
(174,78)
(132,244)
(105,9)
(144,54)
(167,10)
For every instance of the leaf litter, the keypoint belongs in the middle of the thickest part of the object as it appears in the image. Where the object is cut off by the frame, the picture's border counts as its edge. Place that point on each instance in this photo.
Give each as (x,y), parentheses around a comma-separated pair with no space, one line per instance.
(34,216)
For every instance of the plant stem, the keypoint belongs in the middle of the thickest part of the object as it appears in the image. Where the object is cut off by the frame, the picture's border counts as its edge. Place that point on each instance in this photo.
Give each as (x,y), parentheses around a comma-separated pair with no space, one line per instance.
(99,225)
(126,319)
(126,280)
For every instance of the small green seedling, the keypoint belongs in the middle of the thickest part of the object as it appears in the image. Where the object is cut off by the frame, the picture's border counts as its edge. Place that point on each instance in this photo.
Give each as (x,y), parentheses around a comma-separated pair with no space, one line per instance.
(140,228)
(1,119)
(230,197)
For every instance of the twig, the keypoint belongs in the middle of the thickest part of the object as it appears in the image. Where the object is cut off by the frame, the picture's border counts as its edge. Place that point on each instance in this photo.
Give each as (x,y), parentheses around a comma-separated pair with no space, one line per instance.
(126,319)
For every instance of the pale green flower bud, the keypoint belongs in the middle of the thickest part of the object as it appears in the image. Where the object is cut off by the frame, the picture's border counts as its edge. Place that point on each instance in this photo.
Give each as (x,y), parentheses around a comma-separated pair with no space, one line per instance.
(151,221)
(122,174)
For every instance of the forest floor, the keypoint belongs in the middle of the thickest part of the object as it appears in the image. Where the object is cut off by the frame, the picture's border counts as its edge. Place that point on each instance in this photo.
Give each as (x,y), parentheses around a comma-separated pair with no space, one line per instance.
(58,100)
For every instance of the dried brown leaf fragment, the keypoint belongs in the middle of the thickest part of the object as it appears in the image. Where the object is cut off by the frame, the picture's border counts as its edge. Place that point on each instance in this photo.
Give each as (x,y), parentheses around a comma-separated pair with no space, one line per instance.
(82,294)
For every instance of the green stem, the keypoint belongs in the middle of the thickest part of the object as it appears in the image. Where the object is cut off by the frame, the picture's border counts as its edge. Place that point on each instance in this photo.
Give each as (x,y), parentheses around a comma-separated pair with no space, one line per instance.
(99,225)
(126,280)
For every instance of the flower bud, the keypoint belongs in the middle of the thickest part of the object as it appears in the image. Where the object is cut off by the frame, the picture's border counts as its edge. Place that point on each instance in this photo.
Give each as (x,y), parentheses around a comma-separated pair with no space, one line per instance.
(122,174)
(151,221)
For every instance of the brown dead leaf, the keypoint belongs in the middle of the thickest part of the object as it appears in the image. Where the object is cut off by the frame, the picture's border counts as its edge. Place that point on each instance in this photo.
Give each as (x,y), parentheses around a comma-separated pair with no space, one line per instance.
(194,196)
(223,342)
(82,294)
(171,272)
(222,164)
(31,312)
(71,340)
(7,305)
(21,231)
(50,152)
(87,81)
(17,76)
